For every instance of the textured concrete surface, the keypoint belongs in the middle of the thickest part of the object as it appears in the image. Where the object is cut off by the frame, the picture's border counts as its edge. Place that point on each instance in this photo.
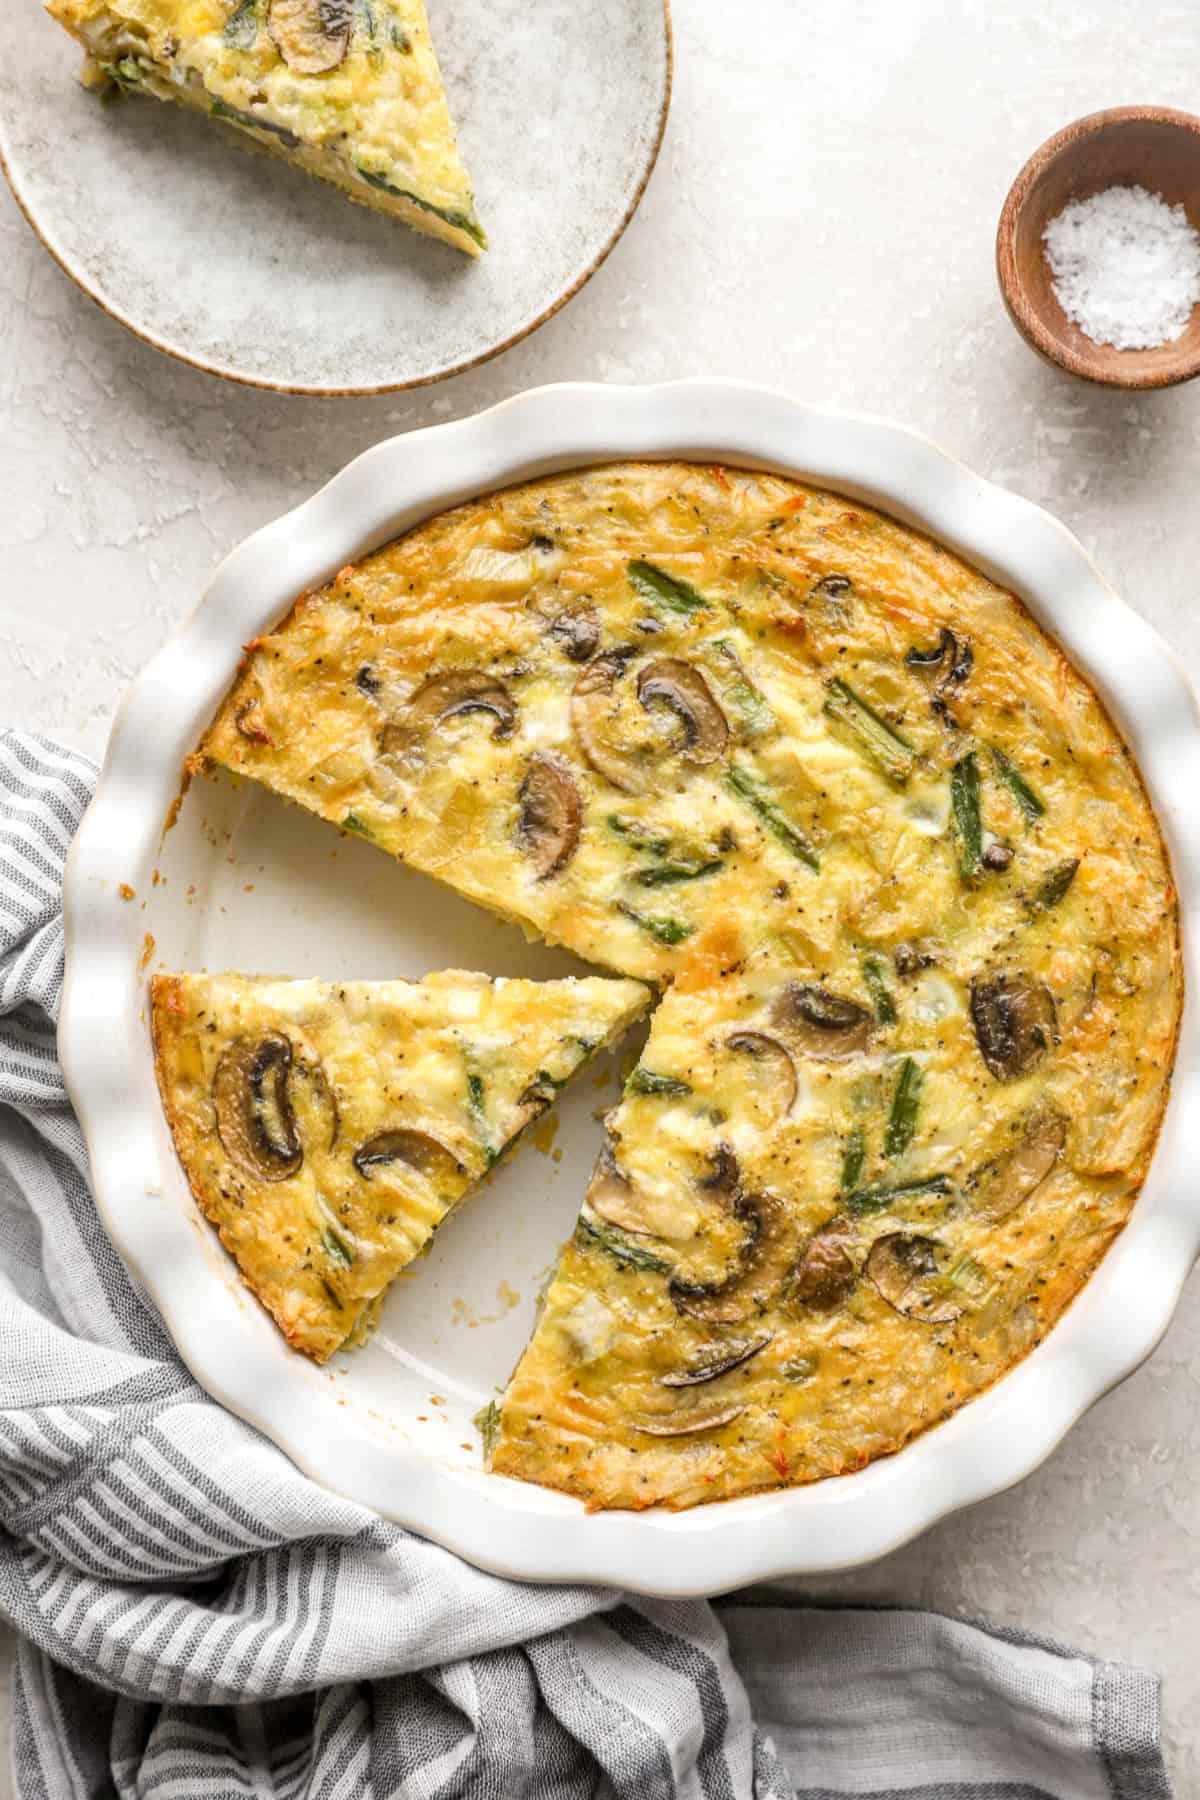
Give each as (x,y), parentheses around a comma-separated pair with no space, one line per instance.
(822,218)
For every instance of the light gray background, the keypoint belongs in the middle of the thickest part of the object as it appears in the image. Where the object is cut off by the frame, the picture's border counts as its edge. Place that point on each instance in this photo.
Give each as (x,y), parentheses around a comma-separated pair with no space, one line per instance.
(822,218)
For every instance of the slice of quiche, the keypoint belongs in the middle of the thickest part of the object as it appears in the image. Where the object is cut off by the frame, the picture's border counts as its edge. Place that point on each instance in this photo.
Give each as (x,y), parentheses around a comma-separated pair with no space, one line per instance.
(348,90)
(327,1129)
(828,1213)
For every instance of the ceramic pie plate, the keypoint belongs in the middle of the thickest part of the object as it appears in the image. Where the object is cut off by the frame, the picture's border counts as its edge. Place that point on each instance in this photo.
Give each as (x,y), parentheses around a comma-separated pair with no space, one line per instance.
(244,881)
(252,270)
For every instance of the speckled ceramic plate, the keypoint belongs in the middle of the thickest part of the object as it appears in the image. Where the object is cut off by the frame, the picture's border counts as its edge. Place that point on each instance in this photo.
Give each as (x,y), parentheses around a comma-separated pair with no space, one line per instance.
(255,271)
(246,882)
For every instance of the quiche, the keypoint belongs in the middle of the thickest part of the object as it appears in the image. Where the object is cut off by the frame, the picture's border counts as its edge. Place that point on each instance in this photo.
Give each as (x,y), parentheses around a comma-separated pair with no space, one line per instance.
(328,1129)
(828,1212)
(878,842)
(348,90)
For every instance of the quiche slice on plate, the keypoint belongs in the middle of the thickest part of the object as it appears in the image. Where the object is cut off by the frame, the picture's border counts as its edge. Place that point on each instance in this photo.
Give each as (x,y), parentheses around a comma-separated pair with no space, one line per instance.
(348,90)
(827,1214)
(327,1129)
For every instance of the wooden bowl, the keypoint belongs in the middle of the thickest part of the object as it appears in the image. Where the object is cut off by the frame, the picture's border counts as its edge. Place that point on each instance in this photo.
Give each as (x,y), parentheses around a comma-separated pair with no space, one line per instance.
(1145,146)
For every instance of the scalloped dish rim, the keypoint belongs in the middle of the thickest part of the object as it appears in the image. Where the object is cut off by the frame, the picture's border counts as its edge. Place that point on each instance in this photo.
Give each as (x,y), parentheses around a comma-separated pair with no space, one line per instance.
(502,1525)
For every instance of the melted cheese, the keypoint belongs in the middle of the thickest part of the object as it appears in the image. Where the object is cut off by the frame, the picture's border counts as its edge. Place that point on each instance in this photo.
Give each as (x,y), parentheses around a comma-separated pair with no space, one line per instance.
(377,124)
(739,737)
(459,1063)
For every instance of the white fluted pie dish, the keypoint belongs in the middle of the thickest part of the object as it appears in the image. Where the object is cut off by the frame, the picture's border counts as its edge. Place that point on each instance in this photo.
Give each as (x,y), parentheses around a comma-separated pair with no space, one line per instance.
(243,882)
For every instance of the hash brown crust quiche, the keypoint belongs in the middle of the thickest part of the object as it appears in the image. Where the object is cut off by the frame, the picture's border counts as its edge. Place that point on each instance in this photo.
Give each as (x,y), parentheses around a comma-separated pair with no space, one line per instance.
(841,796)
(348,90)
(820,1223)
(328,1129)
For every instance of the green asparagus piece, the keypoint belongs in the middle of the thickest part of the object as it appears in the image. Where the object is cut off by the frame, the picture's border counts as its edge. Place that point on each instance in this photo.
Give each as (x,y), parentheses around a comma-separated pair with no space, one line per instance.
(661,589)
(968,820)
(906,1099)
(890,753)
(743,784)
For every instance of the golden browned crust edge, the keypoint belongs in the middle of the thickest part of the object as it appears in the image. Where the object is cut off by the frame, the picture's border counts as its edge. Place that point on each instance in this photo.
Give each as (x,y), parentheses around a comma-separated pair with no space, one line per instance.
(161,1029)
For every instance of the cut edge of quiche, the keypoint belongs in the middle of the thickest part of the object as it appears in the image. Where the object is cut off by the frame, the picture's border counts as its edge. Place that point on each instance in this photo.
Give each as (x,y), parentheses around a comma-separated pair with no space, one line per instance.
(350,94)
(328,1129)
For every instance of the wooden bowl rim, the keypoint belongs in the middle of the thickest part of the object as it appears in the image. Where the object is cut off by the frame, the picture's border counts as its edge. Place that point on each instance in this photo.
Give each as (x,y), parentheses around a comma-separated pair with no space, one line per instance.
(1104,366)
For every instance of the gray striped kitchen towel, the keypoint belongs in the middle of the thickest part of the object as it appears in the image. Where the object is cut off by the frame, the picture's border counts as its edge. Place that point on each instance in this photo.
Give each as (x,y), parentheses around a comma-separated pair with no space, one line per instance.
(198,1620)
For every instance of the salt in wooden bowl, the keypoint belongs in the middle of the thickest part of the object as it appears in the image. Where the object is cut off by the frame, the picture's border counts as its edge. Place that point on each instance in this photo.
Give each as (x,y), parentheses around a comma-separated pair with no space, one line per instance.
(1153,147)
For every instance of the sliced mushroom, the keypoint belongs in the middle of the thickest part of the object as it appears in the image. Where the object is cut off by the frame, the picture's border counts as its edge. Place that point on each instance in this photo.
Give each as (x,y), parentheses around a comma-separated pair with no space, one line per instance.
(907,1272)
(446,697)
(613,1197)
(416,1149)
(592,712)
(715,1360)
(825,1274)
(762,1266)
(1014,1020)
(577,632)
(911,958)
(946,665)
(724,1176)
(551,814)
(1002,1185)
(824,1025)
(255,1122)
(675,684)
(771,1056)
(688,1424)
(312,36)
(540,1093)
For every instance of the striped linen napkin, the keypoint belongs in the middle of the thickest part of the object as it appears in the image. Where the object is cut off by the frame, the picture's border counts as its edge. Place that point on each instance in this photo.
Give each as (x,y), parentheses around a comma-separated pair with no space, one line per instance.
(198,1620)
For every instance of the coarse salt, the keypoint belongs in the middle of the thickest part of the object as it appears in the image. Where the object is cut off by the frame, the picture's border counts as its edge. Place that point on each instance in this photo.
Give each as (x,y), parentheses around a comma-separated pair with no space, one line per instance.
(1125,267)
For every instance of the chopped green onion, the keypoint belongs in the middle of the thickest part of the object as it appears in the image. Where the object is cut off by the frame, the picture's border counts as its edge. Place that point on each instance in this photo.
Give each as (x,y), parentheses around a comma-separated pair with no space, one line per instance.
(661,589)
(1030,803)
(743,784)
(800,1368)
(875,1199)
(890,753)
(358,826)
(971,1279)
(968,820)
(646,1081)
